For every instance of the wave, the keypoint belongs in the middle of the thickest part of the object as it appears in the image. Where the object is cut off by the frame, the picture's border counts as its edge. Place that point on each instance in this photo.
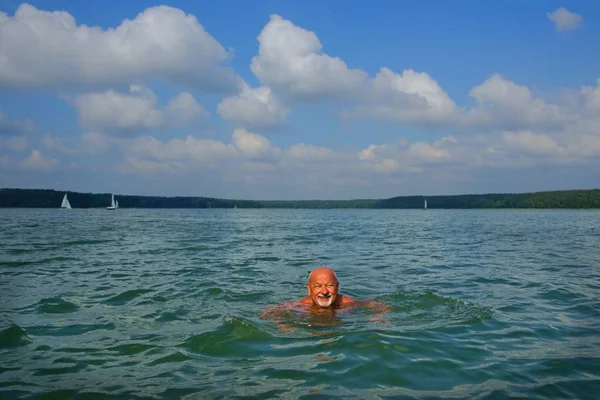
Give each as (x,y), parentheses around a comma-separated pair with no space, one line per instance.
(56,305)
(125,297)
(42,261)
(13,336)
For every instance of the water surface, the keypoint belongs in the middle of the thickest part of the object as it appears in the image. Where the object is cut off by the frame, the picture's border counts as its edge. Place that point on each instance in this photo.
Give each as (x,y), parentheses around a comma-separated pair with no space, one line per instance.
(165,304)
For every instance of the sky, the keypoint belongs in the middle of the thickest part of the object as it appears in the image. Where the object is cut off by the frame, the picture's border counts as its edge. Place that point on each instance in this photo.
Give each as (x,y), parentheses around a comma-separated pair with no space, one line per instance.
(295,100)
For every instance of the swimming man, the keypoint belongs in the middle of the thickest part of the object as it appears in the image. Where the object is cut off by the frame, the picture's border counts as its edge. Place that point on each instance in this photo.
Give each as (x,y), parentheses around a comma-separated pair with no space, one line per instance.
(323,294)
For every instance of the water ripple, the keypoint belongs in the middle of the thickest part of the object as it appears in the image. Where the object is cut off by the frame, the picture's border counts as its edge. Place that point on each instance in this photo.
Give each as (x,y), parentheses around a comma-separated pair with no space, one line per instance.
(166,304)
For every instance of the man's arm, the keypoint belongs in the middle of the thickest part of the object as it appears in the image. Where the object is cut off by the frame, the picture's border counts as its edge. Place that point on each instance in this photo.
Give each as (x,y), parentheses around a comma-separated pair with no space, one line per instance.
(275,313)
(378,310)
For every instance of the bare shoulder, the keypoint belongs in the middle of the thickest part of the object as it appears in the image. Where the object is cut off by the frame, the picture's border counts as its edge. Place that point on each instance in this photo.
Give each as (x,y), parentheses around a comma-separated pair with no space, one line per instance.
(347,299)
(306,300)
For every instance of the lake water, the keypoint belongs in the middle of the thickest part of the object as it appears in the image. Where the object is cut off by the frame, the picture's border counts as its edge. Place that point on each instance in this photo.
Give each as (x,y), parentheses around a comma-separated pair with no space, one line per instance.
(165,304)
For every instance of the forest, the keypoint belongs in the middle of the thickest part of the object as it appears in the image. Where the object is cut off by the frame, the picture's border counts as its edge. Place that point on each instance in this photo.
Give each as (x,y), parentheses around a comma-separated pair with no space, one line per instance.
(49,198)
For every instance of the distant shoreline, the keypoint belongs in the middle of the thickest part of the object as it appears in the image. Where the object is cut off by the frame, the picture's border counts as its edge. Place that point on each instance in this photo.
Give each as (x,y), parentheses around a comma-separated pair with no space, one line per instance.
(559,199)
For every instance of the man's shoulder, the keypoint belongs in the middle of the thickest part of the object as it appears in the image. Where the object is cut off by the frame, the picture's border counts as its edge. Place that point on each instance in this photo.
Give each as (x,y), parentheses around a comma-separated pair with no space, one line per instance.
(346,299)
(305,300)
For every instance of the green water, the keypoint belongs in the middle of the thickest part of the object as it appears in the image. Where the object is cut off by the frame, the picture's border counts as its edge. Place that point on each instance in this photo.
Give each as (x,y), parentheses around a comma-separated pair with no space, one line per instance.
(165,304)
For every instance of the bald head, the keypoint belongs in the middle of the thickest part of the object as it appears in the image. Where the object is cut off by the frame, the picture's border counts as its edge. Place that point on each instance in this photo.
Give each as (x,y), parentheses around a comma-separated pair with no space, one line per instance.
(322,271)
(322,286)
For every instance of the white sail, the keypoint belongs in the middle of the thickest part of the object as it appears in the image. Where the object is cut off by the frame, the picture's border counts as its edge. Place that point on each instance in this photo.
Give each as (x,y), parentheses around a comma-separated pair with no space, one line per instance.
(112,203)
(65,203)
(426,204)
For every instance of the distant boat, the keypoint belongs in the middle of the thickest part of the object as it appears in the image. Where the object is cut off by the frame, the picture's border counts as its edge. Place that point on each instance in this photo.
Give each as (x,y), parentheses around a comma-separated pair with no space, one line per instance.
(65,205)
(425,205)
(113,205)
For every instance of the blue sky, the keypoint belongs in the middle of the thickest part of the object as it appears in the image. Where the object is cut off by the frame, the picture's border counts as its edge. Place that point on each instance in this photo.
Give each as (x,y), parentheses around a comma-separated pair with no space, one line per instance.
(300,100)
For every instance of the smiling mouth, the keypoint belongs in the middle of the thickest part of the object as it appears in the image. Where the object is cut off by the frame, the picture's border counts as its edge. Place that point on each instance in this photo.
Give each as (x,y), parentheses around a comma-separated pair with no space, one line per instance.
(324,300)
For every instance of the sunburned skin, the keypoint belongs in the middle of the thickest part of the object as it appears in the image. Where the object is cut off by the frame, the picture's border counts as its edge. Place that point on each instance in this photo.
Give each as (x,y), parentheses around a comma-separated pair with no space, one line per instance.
(323,299)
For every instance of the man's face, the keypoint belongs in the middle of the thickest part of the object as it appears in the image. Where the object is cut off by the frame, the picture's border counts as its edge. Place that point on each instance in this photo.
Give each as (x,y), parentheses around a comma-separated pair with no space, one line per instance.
(323,288)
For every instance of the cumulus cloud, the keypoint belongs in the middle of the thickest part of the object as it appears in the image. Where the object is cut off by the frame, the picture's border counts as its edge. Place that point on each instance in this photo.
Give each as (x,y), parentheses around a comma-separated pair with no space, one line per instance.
(183,109)
(404,157)
(406,97)
(564,20)
(254,108)
(291,61)
(532,142)
(252,159)
(112,111)
(203,151)
(290,58)
(309,152)
(503,103)
(592,97)
(94,143)
(37,162)
(427,152)
(43,48)
(253,145)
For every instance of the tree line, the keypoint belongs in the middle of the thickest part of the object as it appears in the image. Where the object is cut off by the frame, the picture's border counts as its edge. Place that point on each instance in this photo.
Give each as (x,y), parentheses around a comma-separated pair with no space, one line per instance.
(49,198)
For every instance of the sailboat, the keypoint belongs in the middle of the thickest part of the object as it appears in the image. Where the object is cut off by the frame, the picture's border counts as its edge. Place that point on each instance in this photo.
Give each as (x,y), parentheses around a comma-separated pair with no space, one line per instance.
(113,205)
(65,205)
(425,205)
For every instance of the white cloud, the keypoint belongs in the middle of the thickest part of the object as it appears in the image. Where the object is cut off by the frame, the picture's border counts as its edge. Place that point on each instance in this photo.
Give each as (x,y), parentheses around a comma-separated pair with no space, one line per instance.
(503,103)
(111,111)
(190,149)
(407,97)
(184,108)
(402,157)
(426,152)
(42,48)
(367,153)
(260,167)
(386,166)
(94,142)
(309,152)
(254,108)
(445,140)
(585,145)
(592,97)
(253,145)
(137,165)
(303,170)
(564,20)
(291,61)
(37,162)
(532,142)
(290,58)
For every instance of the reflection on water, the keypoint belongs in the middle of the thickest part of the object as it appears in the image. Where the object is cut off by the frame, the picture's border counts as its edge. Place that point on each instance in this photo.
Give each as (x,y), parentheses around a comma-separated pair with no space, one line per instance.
(167,304)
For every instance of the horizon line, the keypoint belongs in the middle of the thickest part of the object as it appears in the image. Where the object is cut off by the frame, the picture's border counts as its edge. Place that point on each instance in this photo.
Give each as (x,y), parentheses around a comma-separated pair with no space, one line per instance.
(354,199)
